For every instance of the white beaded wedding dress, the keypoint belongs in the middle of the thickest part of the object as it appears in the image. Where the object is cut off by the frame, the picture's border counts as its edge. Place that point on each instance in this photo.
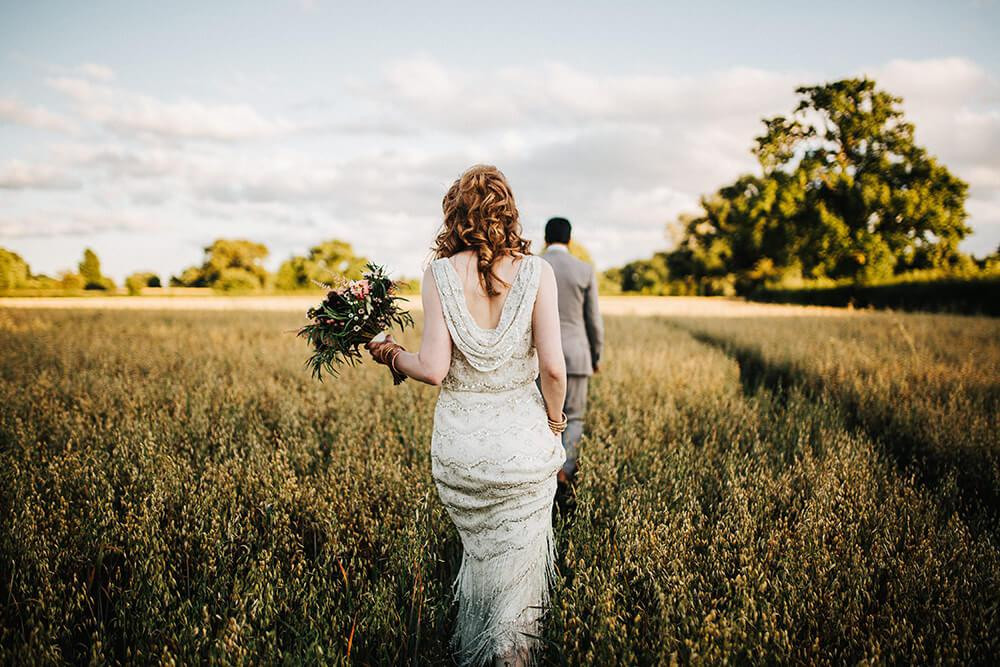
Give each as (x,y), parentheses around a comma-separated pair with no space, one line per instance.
(494,461)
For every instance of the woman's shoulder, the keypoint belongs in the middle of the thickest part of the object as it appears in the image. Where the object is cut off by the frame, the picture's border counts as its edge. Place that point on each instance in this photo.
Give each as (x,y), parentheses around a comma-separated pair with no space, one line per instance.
(534,264)
(542,266)
(526,257)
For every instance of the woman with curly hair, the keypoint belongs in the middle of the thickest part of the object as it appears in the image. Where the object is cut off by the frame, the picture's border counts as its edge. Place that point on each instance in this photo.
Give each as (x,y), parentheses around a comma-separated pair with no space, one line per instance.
(491,326)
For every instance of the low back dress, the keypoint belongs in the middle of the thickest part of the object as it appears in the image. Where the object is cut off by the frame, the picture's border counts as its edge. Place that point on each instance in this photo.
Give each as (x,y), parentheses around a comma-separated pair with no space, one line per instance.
(494,461)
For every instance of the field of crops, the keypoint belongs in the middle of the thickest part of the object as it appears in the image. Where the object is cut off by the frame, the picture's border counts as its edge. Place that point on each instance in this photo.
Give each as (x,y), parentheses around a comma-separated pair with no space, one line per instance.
(175,488)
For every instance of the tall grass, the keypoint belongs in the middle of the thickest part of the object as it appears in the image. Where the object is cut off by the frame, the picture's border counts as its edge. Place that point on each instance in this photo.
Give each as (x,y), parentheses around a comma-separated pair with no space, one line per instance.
(175,488)
(925,387)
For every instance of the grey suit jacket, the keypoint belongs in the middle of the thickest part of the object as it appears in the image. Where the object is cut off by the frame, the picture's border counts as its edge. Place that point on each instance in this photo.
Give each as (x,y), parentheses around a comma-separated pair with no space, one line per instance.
(579,316)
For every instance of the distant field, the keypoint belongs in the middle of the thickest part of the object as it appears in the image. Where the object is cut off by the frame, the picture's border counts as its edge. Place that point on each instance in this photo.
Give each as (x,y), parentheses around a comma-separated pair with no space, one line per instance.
(759,484)
(610,305)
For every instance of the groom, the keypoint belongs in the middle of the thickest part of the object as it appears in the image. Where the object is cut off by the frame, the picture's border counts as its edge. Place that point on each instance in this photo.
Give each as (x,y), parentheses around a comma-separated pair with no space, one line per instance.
(582,332)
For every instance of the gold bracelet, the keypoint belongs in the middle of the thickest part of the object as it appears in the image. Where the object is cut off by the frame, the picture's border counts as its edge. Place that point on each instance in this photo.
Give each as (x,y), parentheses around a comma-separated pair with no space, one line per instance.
(558,426)
(397,375)
(390,361)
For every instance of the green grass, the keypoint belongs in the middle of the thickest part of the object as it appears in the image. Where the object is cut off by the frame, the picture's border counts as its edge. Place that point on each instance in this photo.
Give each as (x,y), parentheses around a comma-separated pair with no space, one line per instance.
(176,488)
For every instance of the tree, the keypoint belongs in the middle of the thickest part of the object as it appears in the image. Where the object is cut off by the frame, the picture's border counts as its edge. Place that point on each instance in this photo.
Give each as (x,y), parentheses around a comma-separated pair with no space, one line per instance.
(137,281)
(189,277)
(844,193)
(14,271)
(610,281)
(328,260)
(990,263)
(229,264)
(647,276)
(240,254)
(71,281)
(874,202)
(237,280)
(90,272)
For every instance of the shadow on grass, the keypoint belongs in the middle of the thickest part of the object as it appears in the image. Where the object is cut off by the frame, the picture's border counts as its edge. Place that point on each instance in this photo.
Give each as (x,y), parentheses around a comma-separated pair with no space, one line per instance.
(974,470)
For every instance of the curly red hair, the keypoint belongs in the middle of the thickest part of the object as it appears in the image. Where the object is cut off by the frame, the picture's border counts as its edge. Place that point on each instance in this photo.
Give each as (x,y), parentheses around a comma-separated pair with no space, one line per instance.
(480,214)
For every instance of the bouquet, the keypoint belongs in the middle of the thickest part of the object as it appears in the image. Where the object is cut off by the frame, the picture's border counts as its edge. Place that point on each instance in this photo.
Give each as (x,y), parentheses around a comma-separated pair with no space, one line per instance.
(353,313)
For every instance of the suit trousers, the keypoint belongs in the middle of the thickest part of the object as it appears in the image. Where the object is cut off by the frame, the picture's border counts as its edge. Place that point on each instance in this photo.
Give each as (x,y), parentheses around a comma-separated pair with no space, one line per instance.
(574,406)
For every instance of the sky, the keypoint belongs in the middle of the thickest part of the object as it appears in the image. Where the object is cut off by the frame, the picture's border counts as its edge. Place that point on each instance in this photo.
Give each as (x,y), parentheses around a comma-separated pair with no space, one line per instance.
(147,130)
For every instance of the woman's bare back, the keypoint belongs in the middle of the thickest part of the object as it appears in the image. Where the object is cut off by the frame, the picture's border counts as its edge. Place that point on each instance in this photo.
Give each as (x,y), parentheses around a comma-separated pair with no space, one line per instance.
(485,310)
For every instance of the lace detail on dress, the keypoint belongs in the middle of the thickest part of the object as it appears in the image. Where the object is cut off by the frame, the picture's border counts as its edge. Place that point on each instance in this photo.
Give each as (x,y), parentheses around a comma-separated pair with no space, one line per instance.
(494,462)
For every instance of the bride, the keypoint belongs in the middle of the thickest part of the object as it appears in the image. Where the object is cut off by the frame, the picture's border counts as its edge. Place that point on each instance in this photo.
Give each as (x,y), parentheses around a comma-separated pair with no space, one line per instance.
(491,326)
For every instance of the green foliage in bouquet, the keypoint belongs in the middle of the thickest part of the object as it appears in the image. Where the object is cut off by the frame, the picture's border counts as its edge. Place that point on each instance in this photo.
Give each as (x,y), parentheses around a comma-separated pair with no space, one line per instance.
(351,315)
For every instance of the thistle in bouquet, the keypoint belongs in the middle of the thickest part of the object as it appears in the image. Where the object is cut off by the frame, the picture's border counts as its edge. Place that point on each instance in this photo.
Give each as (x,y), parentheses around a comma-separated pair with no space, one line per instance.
(353,313)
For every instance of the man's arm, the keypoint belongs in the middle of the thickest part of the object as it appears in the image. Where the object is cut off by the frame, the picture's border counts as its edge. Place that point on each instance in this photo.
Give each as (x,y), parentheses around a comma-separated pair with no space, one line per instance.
(592,320)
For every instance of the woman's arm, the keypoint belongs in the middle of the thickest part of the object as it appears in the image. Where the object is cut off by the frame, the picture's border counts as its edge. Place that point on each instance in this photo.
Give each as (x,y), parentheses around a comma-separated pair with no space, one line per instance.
(548,344)
(431,363)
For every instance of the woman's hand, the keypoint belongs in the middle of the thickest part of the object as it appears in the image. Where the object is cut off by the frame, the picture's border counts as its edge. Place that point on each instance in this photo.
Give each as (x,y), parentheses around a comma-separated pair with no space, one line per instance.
(376,349)
(385,352)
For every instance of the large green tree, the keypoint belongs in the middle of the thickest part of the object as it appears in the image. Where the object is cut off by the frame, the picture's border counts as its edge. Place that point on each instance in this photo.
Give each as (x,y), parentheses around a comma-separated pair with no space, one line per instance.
(844,192)
(325,261)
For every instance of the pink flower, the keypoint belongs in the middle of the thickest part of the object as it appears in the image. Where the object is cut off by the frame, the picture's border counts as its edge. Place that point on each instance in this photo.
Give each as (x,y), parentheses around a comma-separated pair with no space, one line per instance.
(360,289)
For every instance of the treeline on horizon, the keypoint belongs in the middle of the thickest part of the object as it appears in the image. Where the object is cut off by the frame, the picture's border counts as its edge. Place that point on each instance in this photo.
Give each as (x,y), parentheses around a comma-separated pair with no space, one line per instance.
(845,202)
(230,265)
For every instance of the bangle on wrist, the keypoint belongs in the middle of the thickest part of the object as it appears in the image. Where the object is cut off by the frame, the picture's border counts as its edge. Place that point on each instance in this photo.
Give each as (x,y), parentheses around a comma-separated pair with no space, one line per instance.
(386,354)
(558,425)
(397,376)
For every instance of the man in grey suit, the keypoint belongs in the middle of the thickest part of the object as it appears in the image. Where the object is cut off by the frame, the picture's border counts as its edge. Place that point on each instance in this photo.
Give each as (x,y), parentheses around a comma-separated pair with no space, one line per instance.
(582,332)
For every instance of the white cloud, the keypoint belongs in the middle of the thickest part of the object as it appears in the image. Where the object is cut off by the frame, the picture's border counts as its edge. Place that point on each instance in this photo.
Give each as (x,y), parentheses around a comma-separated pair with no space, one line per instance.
(463,101)
(96,71)
(266,183)
(983,178)
(13,111)
(932,79)
(17,175)
(129,114)
(58,223)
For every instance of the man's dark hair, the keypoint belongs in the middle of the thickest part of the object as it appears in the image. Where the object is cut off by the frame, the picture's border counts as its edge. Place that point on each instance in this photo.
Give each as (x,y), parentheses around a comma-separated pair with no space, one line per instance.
(557,230)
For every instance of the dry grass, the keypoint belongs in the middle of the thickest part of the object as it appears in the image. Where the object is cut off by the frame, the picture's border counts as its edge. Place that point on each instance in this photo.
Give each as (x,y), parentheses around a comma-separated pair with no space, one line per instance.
(176,488)
(925,387)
